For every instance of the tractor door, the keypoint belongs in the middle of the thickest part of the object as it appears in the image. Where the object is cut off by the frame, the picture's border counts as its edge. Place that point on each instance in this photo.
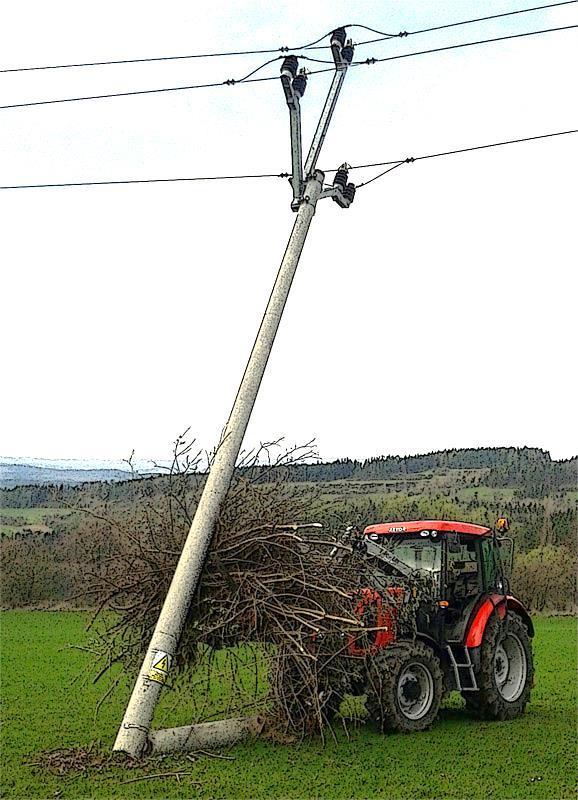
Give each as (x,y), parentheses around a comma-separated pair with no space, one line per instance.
(464,582)
(495,570)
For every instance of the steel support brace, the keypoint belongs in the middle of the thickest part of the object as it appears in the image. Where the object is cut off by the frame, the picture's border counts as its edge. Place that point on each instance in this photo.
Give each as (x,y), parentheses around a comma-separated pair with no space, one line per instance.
(325,119)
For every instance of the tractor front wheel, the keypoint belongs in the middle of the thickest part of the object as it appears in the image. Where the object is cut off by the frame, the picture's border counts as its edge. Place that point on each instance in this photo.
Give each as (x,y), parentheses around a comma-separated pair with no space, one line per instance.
(506,672)
(404,688)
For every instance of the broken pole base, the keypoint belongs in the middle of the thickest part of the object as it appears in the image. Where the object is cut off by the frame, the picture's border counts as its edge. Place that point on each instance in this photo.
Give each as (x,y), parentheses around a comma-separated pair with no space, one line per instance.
(205,735)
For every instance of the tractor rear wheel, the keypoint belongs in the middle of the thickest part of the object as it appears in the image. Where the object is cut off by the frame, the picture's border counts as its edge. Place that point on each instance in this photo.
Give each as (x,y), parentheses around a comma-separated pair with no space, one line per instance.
(404,688)
(506,672)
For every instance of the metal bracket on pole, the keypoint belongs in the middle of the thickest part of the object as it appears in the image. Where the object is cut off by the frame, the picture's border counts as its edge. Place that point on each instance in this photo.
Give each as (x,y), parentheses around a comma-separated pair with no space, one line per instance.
(342,55)
(294,85)
(341,192)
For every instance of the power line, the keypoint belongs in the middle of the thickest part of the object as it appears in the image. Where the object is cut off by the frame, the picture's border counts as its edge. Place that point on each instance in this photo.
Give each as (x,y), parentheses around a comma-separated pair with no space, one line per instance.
(247,79)
(412,159)
(463,44)
(286,49)
(461,22)
(381,174)
(265,51)
(148,180)
(227,82)
(393,164)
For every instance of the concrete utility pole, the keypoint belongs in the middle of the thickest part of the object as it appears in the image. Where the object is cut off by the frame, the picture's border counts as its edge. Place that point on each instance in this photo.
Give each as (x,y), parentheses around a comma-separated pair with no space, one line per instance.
(133,735)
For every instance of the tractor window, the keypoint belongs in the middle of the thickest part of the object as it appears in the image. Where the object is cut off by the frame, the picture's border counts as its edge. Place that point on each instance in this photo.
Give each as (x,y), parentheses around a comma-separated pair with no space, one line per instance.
(506,550)
(421,555)
(489,563)
(408,555)
(463,573)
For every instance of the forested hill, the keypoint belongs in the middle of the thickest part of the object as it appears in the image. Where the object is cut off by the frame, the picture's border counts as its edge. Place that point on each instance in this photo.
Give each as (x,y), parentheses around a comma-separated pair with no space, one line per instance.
(528,471)
(500,467)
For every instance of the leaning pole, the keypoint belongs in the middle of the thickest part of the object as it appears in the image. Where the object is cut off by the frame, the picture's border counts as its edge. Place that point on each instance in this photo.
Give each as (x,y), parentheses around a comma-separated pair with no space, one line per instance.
(133,735)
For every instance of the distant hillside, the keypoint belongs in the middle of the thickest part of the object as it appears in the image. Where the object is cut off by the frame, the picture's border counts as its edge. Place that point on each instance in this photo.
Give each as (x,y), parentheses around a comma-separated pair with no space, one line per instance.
(528,471)
(12,475)
(527,468)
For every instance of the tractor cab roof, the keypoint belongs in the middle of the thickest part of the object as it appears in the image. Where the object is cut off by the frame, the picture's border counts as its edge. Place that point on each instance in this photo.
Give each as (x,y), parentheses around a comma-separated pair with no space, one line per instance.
(417,526)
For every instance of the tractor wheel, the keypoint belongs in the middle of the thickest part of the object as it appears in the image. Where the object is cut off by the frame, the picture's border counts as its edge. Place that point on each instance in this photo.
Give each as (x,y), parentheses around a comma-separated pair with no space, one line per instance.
(506,672)
(405,687)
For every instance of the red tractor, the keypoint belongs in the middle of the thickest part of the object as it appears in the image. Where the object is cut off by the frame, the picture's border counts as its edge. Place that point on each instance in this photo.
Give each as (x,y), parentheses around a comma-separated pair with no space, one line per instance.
(467,634)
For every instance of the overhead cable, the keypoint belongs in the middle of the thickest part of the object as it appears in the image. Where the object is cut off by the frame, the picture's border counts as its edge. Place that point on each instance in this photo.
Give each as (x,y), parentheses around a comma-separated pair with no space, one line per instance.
(393,164)
(402,34)
(412,159)
(463,44)
(286,49)
(247,79)
(148,180)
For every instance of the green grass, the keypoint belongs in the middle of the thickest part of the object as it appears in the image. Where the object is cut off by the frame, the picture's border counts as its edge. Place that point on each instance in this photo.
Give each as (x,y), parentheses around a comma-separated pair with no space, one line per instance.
(33,518)
(486,494)
(43,708)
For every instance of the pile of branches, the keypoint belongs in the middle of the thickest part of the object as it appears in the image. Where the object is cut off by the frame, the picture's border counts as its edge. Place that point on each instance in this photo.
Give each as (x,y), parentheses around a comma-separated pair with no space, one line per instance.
(287,591)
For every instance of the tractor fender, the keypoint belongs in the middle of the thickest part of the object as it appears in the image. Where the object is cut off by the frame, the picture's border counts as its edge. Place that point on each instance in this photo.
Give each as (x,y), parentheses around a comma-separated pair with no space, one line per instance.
(520,609)
(480,617)
(435,646)
(500,604)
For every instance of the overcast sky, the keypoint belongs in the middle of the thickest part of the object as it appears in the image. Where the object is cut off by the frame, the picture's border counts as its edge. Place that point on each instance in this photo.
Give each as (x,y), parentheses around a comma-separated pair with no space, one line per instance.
(438,311)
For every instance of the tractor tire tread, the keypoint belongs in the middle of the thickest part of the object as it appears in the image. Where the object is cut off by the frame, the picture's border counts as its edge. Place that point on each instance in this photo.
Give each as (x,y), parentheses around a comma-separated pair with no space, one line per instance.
(381,689)
(487,703)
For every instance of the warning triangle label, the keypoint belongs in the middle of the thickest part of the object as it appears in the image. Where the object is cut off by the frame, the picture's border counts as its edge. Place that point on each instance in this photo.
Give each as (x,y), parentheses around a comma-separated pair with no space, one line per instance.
(162,664)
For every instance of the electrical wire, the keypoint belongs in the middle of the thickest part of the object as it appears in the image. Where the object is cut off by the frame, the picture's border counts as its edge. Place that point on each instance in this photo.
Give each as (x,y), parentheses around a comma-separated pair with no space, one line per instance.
(492,16)
(463,44)
(148,180)
(228,82)
(247,79)
(412,159)
(285,49)
(265,51)
(381,174)
(402,34)
(391,164)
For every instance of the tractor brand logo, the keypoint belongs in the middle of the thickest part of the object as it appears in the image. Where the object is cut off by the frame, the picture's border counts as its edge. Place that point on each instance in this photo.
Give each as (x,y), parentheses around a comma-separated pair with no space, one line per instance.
(400,529)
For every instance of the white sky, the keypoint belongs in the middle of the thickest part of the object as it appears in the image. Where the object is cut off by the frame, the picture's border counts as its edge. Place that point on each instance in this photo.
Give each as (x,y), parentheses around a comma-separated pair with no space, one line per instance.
(438,311)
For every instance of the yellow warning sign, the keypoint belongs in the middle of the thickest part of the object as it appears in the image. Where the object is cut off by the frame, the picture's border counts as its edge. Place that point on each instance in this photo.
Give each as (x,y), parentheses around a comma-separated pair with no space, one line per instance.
(159,668)
(162,664)
(157,677)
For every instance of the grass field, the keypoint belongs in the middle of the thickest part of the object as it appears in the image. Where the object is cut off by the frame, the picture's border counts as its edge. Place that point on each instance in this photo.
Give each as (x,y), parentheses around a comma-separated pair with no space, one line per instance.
(43,707)
(33,518)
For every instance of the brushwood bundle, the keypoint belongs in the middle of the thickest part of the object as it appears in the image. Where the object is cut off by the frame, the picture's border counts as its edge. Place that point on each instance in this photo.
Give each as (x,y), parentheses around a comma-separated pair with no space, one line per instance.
(290,597)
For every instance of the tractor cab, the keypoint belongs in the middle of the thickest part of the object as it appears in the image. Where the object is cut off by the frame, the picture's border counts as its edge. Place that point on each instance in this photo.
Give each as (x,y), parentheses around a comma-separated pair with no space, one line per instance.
(438,617)
(461,561)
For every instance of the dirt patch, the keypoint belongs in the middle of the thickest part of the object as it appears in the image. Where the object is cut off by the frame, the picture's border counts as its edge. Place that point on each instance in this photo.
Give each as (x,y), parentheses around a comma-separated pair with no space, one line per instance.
(82,759)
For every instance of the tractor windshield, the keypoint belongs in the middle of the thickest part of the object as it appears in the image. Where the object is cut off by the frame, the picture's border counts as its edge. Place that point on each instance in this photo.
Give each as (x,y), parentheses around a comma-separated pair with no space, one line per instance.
(414,553)
(423,555)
